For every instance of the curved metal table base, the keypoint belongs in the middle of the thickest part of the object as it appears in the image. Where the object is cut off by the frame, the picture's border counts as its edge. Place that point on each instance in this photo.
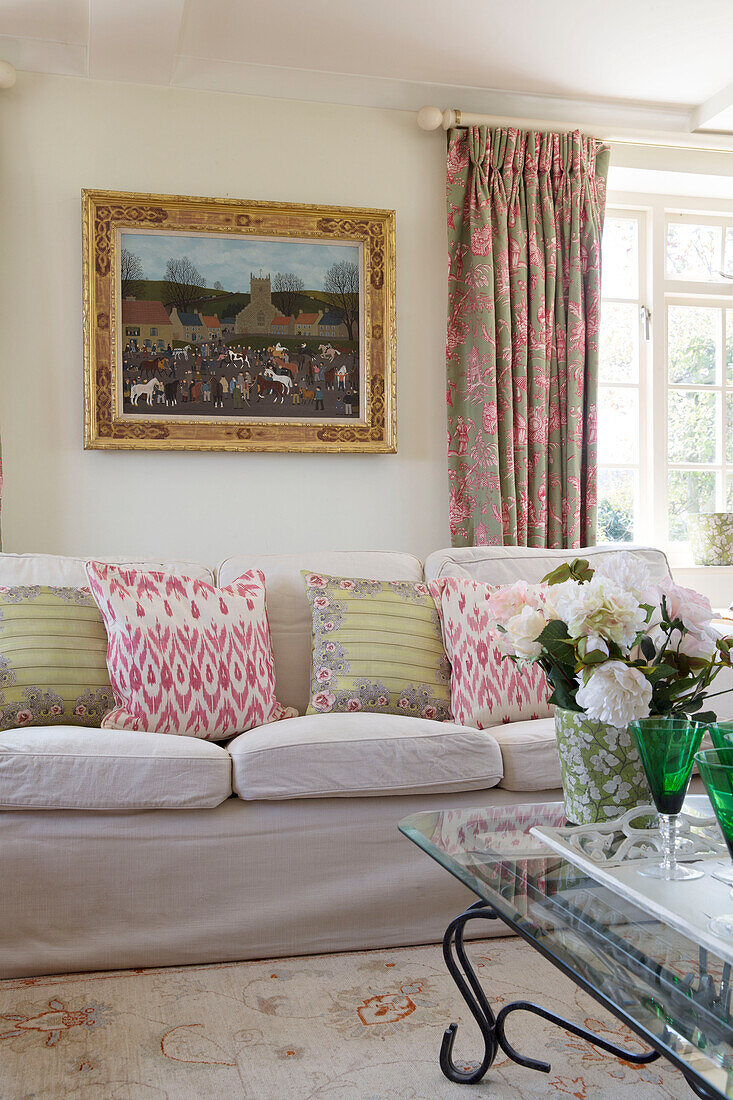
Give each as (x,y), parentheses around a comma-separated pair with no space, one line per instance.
(492,1026)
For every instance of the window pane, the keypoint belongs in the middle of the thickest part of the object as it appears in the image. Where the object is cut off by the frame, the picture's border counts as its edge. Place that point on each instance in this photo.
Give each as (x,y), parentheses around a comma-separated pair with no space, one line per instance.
(689,492)
(618,425)
(729,493)
(728,269)
(620,258)
(692,344)
(694,251)
(729,345)
(619,344)
(617,494)
(729,428)
(691,426)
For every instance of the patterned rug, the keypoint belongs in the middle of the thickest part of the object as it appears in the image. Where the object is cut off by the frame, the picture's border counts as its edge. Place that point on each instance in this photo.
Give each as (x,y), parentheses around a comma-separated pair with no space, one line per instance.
(339,1027)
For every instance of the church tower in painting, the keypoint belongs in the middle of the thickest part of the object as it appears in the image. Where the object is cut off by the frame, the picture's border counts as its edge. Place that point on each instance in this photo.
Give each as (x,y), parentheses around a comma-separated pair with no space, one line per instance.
(258,315)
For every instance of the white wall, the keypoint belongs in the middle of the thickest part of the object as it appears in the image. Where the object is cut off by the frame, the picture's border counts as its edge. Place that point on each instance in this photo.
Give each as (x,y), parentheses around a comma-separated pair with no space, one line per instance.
(60,134)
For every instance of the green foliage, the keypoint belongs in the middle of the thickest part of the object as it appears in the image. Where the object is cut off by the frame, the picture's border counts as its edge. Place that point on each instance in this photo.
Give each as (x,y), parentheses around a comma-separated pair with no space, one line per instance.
(577,570)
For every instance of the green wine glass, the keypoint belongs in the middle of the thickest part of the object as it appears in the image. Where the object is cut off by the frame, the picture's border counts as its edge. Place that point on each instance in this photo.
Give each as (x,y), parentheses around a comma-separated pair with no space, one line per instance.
(667,748)
(721,734)
(716,770)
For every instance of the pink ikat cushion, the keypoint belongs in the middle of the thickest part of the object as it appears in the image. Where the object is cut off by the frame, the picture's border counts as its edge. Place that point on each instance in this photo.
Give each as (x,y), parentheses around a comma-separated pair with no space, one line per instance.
(486,689)
(184,657)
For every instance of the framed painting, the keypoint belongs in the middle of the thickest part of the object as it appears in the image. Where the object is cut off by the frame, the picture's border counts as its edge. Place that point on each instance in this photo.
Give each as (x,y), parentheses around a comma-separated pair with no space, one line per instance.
(214,324)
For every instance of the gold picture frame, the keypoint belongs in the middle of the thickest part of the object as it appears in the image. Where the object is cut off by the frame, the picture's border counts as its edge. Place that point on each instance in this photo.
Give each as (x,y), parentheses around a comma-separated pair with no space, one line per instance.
(149,379)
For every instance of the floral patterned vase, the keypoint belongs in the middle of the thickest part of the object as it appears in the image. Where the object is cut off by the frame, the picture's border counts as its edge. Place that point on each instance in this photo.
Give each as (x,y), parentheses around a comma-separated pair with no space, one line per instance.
(602,775)
(711,536)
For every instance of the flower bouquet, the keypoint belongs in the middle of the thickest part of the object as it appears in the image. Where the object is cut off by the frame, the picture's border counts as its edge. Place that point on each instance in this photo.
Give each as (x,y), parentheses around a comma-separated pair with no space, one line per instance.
(615,647)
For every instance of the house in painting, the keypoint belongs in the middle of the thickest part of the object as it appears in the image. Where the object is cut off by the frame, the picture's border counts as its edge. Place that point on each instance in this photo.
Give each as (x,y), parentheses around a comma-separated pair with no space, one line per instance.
(228,324)
(187,327)
(332,324)
(145,325)
(282,326)
(212,325)
(258,315)
(306,324)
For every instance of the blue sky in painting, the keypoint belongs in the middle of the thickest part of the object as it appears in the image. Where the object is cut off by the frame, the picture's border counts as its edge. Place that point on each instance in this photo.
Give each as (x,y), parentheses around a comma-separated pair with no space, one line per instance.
(232,261)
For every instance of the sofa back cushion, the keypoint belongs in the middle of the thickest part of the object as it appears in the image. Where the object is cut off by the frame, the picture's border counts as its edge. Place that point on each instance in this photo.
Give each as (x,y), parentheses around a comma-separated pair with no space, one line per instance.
(288,609)
(56,569)
(506,564)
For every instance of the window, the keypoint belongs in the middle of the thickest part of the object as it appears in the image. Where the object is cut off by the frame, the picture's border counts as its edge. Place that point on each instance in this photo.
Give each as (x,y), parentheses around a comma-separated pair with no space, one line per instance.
(153,332)
(621,377)
(665,402)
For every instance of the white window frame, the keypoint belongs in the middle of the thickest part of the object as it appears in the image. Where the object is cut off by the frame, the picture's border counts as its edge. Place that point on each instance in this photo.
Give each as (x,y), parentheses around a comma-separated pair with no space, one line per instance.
(657,290)
(643,383)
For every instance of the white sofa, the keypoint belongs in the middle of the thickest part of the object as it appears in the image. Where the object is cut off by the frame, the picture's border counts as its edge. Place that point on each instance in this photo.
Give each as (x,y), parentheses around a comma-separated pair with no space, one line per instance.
(129,850)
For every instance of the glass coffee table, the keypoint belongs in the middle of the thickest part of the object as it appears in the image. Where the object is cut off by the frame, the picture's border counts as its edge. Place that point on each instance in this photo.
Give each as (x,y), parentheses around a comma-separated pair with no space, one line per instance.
(672,993)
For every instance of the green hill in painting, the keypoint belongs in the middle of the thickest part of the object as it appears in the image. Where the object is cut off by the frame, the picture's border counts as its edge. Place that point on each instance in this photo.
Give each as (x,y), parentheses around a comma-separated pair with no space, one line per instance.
(222,303)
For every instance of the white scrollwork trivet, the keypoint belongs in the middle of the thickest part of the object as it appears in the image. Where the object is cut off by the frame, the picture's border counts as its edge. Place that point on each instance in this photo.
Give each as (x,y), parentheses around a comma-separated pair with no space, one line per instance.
(613,842)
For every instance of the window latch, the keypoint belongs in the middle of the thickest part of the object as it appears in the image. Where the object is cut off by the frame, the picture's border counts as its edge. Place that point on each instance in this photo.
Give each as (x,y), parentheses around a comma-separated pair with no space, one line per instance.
(646,320)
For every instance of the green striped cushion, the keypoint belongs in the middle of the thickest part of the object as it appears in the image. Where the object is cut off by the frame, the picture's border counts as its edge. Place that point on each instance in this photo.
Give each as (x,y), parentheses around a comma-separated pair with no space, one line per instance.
(377,646)
(53,649)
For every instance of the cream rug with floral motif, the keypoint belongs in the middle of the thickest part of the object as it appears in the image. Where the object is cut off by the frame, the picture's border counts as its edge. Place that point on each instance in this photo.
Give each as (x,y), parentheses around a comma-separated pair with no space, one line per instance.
(361,1026)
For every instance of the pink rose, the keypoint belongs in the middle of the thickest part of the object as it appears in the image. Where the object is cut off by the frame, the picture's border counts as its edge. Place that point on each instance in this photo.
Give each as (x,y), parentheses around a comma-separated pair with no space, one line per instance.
(403,703)
(324,700)
(55,709)
(353,704)
(330,647)
(421,589)
(81,709)
(346,584)
(323,675)
(382,700)
(429,712)
(329,625)
(320,602)
(315,580)
(23,717)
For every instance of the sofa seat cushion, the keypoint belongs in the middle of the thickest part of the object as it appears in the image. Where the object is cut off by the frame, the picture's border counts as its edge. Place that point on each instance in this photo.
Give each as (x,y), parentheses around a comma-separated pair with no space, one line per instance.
(337,755)
(529,755)
(72,768)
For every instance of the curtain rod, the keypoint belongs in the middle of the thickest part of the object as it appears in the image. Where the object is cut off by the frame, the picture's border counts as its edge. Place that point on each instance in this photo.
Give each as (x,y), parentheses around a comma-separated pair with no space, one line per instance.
(432,118)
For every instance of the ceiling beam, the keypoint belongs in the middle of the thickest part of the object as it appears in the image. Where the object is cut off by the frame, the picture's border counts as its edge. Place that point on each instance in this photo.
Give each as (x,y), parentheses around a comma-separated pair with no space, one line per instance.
(134,41)
(715,113)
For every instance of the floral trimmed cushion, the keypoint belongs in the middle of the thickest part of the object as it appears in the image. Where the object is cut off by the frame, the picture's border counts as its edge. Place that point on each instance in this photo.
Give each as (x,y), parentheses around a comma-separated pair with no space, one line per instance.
(53,649)
(486,690)
(376,647)
(185,657)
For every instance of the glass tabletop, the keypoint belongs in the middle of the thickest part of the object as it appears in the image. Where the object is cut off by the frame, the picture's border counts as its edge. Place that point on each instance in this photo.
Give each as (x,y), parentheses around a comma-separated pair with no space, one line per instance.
(665,986)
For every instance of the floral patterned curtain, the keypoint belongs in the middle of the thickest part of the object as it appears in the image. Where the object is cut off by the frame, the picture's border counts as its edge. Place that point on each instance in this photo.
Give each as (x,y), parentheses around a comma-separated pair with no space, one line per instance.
(525,218)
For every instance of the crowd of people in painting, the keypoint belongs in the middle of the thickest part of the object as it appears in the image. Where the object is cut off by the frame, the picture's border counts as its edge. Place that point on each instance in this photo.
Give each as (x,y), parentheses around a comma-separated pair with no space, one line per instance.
(215,378)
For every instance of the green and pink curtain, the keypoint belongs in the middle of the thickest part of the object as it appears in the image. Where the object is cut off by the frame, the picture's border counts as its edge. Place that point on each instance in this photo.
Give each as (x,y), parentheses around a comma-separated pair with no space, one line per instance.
(525,218)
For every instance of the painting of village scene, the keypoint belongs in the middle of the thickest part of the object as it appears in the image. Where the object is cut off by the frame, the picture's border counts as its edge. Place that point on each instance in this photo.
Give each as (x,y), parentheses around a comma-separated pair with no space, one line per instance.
(212,326)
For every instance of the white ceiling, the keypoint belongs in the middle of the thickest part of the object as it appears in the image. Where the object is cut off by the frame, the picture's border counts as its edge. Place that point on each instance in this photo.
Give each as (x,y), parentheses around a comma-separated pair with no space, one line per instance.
(664,63)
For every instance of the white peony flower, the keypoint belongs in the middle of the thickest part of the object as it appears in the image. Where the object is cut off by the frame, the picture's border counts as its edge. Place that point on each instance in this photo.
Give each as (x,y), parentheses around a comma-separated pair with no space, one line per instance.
(626,570)
(522,632)
(599,608)
(615,694)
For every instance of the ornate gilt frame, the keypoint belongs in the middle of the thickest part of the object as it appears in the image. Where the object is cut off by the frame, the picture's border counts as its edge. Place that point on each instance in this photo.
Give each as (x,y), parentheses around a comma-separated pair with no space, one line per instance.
(106,427)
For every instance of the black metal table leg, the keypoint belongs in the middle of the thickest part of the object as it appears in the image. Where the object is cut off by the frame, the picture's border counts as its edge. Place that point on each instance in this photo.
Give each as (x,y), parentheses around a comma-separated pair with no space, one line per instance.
(491,1025)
